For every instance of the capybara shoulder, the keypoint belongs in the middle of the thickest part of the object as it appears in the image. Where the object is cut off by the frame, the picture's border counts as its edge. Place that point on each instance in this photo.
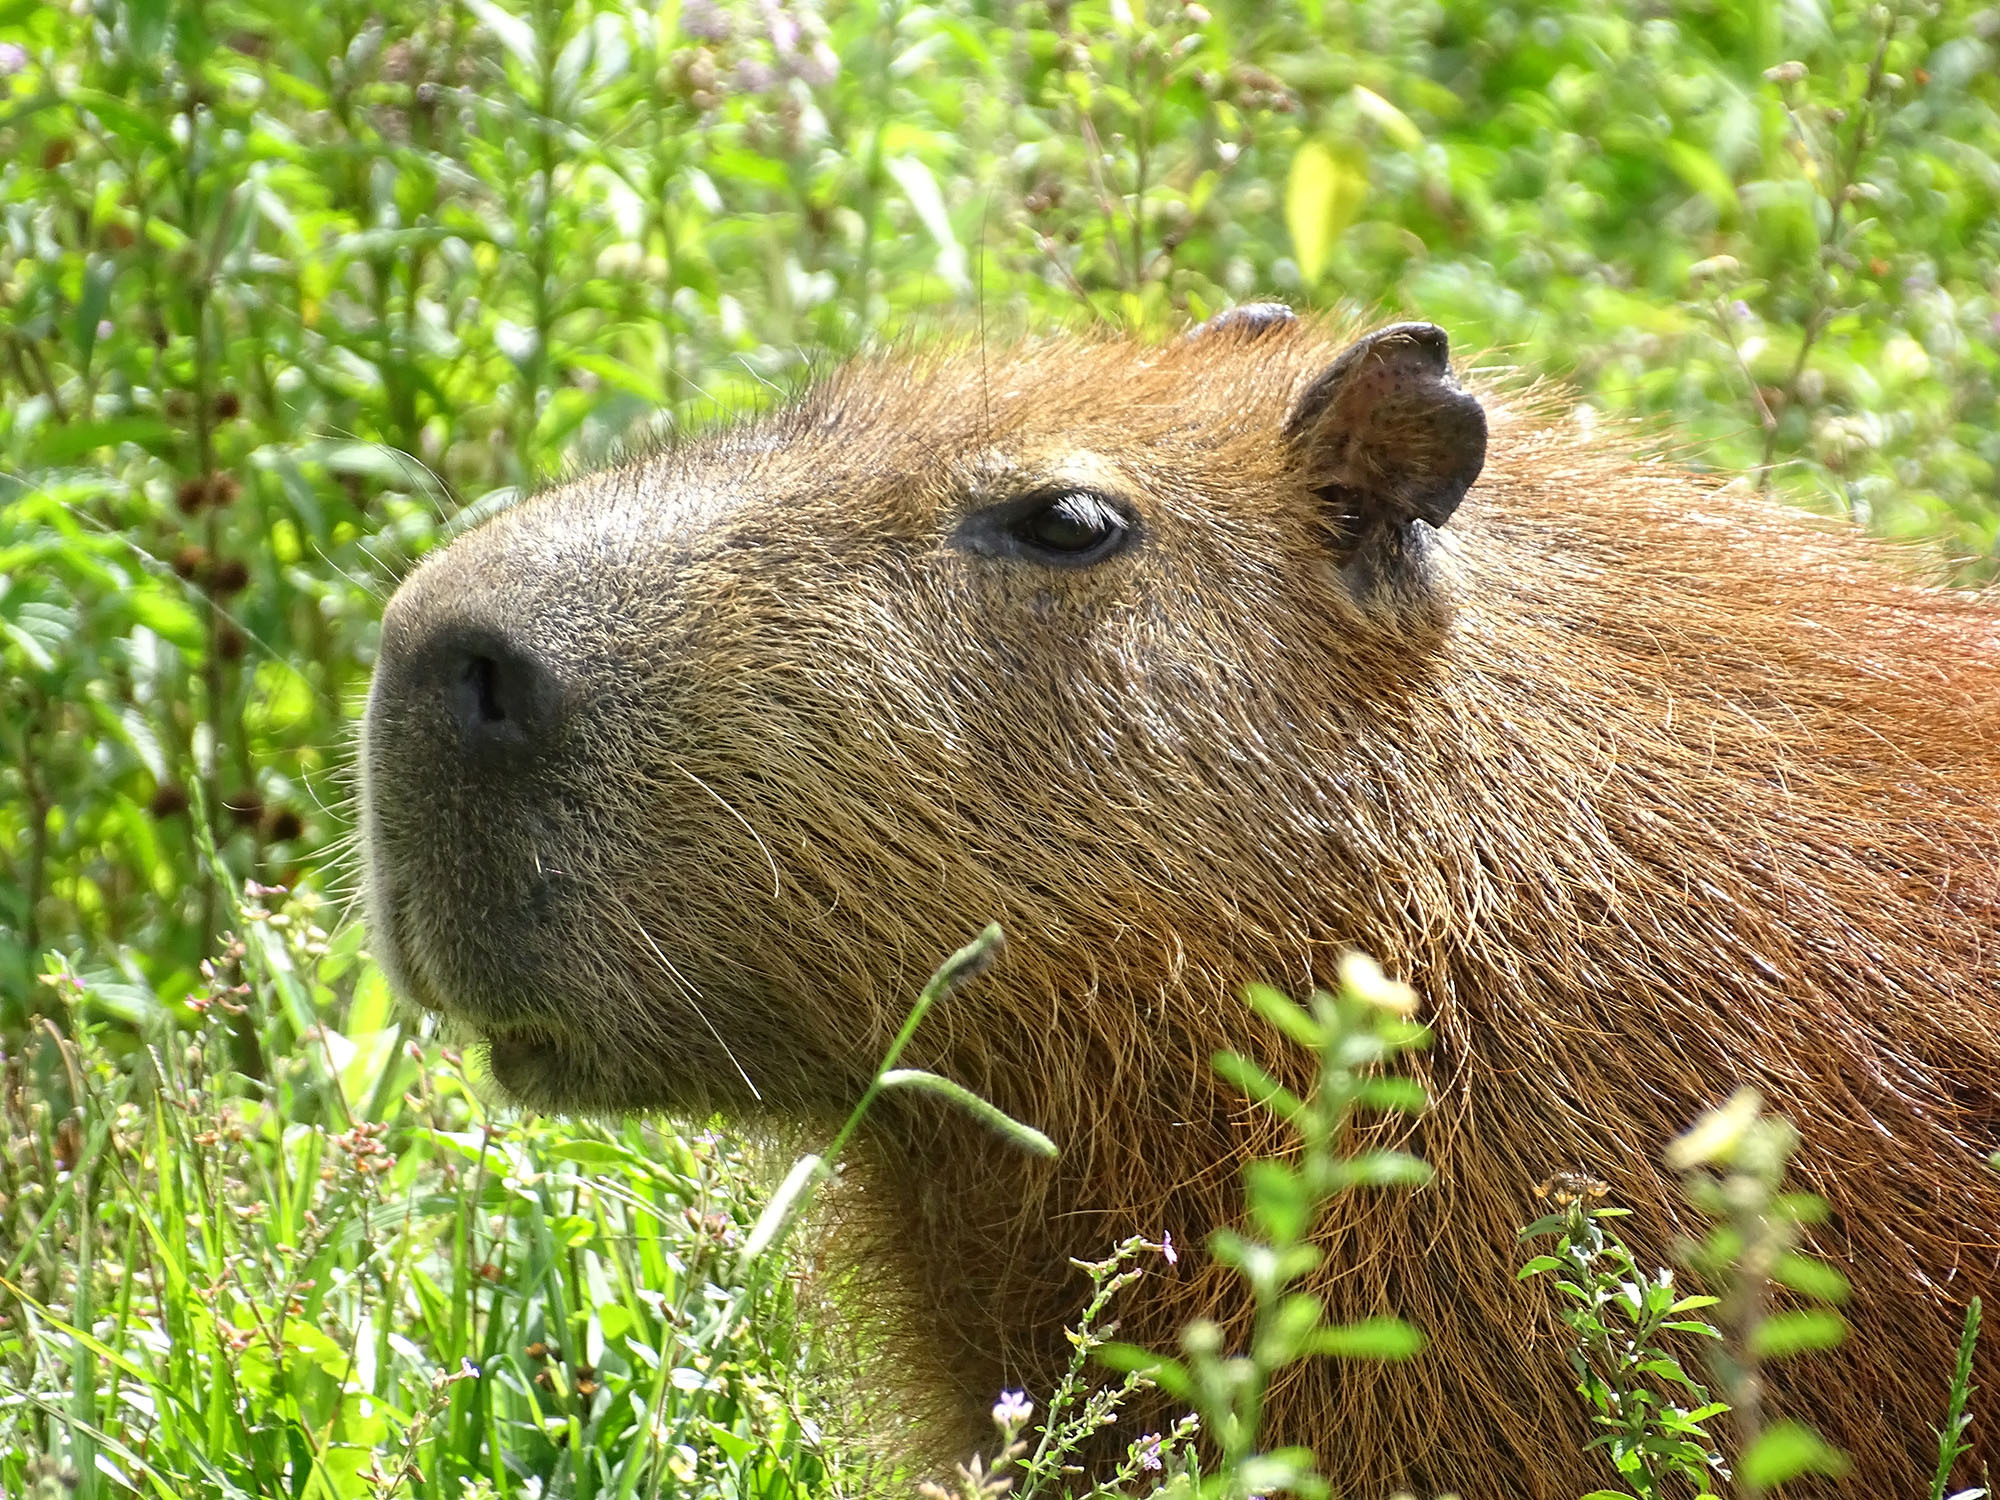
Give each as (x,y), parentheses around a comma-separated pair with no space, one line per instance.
(1196,664)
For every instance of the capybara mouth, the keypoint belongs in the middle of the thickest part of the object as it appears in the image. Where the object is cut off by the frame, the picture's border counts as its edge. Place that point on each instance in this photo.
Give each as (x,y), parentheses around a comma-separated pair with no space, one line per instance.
(533,1065)
(548,1068)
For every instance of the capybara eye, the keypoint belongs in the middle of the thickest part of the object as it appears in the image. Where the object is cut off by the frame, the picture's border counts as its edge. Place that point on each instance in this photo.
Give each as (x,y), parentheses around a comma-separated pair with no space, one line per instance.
(1073,527)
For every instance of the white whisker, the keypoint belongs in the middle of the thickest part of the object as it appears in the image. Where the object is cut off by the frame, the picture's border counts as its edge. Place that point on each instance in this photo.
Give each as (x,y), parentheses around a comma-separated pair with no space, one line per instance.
(719,802)
(693,997)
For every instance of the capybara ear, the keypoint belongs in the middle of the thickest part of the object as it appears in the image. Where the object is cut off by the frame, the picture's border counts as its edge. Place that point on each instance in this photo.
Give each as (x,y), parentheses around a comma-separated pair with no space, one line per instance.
(1387,436)
(1248,321)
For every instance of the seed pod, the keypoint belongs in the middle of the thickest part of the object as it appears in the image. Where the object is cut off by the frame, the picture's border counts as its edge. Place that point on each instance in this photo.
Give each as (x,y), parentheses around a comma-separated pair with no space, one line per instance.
(170,800)
(229,576)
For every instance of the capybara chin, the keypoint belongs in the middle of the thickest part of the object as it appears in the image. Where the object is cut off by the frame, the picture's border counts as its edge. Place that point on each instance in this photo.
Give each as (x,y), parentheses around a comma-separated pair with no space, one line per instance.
(1187,665)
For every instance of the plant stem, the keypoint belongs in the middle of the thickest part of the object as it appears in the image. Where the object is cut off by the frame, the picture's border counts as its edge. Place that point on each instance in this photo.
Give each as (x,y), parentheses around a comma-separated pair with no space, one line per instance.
(1822,308)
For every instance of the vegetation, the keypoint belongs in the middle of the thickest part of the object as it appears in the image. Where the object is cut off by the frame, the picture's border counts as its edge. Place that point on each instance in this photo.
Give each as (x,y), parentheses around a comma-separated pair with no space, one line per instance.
(289,293)
(350,1279)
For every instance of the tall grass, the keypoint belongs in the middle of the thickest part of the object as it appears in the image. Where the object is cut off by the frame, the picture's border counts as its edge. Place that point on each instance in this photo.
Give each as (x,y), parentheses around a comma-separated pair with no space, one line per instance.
(351,1279)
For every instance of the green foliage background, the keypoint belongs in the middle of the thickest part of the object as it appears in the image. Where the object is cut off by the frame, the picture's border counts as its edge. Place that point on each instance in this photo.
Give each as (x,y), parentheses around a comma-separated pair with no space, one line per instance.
(291,292)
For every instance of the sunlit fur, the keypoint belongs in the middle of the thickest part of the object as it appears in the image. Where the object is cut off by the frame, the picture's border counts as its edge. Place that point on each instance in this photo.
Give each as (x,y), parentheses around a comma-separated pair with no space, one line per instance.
(1649,788)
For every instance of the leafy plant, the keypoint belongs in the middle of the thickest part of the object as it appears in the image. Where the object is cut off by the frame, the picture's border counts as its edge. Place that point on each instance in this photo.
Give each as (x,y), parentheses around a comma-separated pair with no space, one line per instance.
(1952,1445)
(1650,1409)
(1733,1164)
(1355,1034)
(352,1281)
(1036,1460)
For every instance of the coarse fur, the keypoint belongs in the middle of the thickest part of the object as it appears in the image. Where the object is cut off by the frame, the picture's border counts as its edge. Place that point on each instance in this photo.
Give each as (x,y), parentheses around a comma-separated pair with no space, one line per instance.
(1649,787)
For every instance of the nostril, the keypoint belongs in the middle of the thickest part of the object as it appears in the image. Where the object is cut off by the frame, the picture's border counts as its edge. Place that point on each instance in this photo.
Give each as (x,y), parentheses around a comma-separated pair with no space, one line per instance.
(496,693)
(478,680)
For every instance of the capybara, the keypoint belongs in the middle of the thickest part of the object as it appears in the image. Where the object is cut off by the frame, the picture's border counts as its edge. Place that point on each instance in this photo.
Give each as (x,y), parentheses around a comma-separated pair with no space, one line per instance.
(1186,665)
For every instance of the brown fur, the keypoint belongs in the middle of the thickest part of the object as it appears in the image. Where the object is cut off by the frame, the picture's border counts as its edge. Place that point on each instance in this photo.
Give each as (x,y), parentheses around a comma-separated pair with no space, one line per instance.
(1657,789)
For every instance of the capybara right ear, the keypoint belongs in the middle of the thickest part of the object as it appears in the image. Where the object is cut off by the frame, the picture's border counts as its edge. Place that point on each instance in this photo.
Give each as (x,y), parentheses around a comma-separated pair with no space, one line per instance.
(1387,436)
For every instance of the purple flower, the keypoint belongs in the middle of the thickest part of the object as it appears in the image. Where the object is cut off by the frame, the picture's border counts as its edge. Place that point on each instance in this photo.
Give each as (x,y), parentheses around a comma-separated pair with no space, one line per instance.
(783,27)
(704,21)
(754,76)
(13,58)
(799,40)
(819,67)
(1147,1451)
(1167,1251)
(1012,1409)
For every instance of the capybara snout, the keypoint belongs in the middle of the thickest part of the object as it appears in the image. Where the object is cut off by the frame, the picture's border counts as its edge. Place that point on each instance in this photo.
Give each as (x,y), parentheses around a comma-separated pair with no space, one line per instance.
(1197,664)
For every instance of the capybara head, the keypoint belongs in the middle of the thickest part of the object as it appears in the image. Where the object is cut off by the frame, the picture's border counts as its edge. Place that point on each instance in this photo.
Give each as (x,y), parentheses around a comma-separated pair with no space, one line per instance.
(1184,664)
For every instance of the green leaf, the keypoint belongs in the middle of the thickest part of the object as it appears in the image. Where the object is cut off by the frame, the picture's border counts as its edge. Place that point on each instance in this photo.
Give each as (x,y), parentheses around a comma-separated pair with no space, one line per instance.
(1396,126)
(1290,1330)
(1389,1169)
(1287,1469)
(589,1153)
(509,30)
(1395,1092)
(1668,1369)
(1323,195)
(1785,1452)
(1372,1338)
(1794,1332)
(1169,1374)
(171,618)
(1810,1277)
(1277,1196)
(1704,174)
(1286,1014)
(920,187)
(99,273)
(1705,1330)
(127,122)
(74,439)
(992,1116)
(792,1195)
(1233,1067)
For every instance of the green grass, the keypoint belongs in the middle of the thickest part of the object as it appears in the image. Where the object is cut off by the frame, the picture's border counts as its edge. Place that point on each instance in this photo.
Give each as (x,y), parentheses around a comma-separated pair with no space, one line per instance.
(354,1279)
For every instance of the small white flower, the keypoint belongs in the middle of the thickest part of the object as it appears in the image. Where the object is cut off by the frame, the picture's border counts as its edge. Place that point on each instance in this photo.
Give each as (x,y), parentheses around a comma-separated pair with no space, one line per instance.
(1012,1409)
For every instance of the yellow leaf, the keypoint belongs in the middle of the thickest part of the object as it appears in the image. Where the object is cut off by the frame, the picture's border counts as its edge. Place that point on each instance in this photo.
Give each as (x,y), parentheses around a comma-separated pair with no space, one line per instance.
(1398,127)
(1323,195)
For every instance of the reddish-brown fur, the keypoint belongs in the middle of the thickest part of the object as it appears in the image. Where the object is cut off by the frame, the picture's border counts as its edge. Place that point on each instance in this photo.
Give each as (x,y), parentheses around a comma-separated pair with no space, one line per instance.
(1654,788)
